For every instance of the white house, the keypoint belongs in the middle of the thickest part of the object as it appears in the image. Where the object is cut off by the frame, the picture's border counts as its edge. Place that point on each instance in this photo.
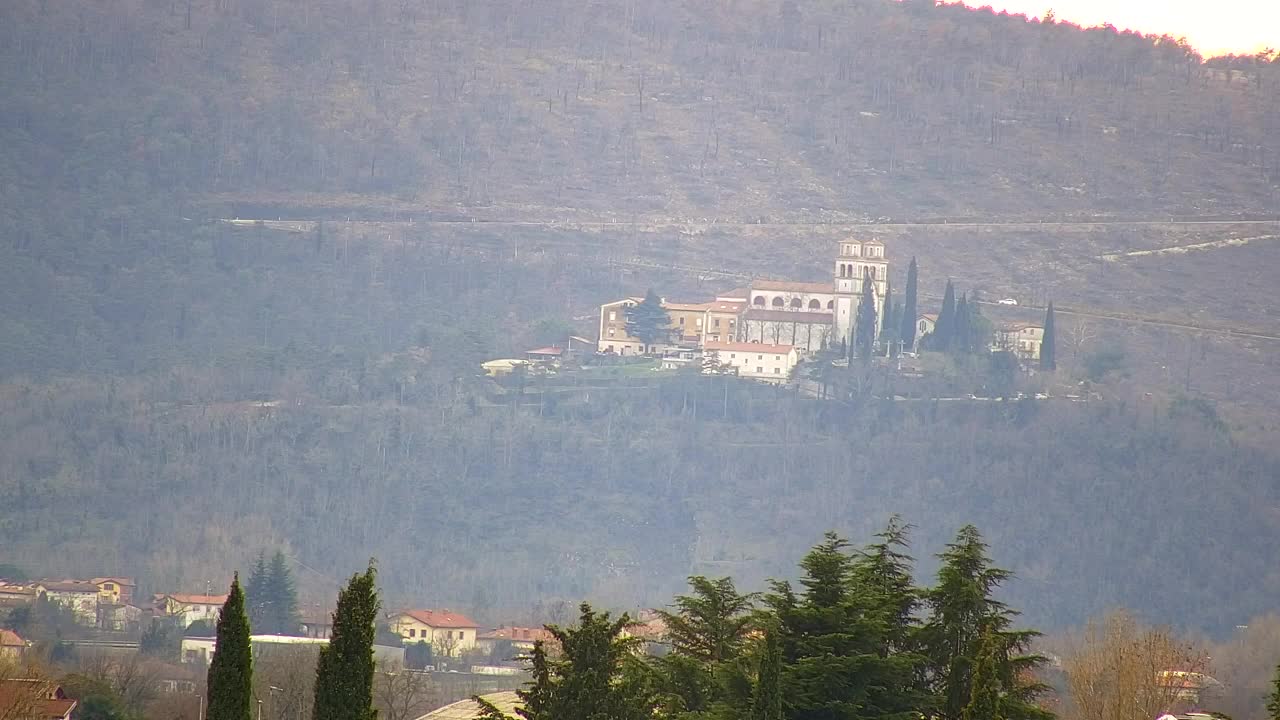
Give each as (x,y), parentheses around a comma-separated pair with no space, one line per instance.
(190,608)
(758,361)
(448,633)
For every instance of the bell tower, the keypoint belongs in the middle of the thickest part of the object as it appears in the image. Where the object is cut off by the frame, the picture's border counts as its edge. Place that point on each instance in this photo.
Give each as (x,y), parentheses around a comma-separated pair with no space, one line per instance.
(848,283)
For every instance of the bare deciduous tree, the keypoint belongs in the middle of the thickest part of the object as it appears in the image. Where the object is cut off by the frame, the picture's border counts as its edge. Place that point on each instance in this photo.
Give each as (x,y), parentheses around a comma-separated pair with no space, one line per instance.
(402,694)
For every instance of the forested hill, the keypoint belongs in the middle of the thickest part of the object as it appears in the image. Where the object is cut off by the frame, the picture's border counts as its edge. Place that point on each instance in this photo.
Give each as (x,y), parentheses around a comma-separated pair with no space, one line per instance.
(177,393)
(746,110)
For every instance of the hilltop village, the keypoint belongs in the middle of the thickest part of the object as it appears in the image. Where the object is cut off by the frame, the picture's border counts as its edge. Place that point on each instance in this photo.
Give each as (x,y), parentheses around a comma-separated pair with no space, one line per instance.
(765,330)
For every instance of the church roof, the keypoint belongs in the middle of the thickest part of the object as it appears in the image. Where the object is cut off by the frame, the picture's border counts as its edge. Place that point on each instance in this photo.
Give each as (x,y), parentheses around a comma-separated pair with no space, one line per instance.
(791,286)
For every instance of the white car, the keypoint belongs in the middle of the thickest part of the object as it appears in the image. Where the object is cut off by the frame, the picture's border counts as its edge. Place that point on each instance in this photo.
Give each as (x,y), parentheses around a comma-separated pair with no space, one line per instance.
(1008,301)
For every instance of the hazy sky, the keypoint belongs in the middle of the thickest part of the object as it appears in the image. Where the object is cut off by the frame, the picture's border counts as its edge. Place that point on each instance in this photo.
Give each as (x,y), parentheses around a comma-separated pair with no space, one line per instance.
(1212,26)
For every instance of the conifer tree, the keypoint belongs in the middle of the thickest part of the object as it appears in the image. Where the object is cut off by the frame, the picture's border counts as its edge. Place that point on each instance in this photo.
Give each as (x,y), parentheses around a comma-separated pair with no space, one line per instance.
(711,623)
(984,699)
(536,697)
(960,334)
(943,329)
(961,609)
(648,321)
(766,702)
(908,313)
(230,679)
(588,681)
(257,593)
(888,330)
(344,671)
(865,328)
(281,612)
(1273,700)
(1049,346)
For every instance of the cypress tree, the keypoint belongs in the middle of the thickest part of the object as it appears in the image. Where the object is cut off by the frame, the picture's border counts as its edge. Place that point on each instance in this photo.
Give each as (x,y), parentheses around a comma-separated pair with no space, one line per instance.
(1049,347)
(865,329)
(281,612)
(230,679)
(960,332)
(943,330)
(766,702)
(344,670)
(908,314)
(887,328)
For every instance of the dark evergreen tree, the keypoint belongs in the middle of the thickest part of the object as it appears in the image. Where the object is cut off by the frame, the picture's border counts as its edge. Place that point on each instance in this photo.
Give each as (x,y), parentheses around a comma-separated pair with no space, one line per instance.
(281,611)
(961,609)
(882,571)
(985,697)
(888,331)
(230,678)
(865,321)
(536,697)
(909,312)
(766,702)
(960,342)
(648,321)
(588,681)
(711,623)
(1049,347)
(344,670)
(257,594)
(944,329)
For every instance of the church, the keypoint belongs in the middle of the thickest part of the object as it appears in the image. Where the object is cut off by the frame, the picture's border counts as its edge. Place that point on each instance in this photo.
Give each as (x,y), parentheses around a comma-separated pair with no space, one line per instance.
(806,316)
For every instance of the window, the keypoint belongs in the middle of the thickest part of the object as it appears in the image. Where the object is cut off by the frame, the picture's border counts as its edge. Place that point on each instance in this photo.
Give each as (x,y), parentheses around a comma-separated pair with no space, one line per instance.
(831,304)
(449,634)
(815,305)
(777,302)
(613,315)
(760,370)
(108,586)
(715,322)
(610,332)
(777,371)
(610,348)
(759,357)
(681,319)
(411,632)
(758,301)
(733,356)
(797,303)
(699,322)
(924,326)
(731,322)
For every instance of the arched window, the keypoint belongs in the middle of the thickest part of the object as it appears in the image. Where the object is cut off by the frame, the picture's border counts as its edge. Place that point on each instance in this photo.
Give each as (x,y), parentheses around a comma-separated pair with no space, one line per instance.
(815,305)
(831,304)
(797,303)
(777,302)
(758,301)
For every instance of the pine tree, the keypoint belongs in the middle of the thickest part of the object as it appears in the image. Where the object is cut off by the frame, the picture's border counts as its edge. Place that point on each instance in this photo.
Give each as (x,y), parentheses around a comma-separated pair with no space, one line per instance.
(648,321)
(985,702)
(962,608)
(766,702)
(908,314)
(943,330)
(1049,346)
(883,571)
(257,594)
(588,680)
(536,697)
(865,329)
(710,624)
(281,612)
(1273,702)
(230,679)
(344,670)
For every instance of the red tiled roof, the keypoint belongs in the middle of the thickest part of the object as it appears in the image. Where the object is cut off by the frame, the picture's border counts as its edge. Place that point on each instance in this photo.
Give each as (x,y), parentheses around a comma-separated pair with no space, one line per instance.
(790,286)
(68,586)
(38,699)
(127,582)
(196,599)
(440,618)
(796,316)
(556,351)
(749,347)
(9,638)
(722,306)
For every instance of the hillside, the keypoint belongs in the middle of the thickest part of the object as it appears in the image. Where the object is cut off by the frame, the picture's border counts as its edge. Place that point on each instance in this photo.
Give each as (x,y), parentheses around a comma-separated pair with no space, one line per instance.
(177,392)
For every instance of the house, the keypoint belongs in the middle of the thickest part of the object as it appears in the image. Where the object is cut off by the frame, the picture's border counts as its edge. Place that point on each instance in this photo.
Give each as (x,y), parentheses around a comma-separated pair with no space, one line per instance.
(115,590)
(769,363)
(14,594)
(316,622)
(80,597)
(518,639)
(502,367)
(925,325)
(118,616)
(547,355)
(448,633)
(1023,339)
(187,609)
(200,650)
(686,322)
(34,699)
(721,323)
(613,337)
(12,647)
